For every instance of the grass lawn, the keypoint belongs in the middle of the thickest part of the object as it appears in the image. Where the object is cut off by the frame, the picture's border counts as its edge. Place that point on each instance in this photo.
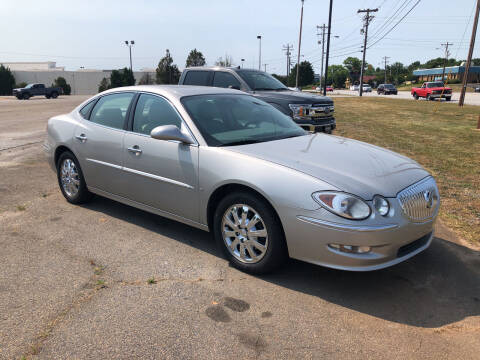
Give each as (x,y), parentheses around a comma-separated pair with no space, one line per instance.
(437,135)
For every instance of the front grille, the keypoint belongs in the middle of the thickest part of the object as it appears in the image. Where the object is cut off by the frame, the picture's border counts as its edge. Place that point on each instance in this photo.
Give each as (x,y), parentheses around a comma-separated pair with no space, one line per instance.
(420,201)
(414,245)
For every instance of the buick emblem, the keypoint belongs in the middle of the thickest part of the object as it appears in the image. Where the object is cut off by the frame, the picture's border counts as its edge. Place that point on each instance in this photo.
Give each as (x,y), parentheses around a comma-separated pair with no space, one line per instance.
(327,110)
(428,196)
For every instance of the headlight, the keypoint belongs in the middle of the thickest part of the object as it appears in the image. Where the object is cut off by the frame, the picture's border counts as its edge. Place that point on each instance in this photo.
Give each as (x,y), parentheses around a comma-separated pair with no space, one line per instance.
(344,205)
(381,205)
(300,111)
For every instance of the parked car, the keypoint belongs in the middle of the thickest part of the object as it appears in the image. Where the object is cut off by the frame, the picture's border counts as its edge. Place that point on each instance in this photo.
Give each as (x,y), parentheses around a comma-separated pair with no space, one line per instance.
(355,87)
(432,90)
(230,163)
(328,88)
(35,90)
(386,89)
(311,111)
(366,88)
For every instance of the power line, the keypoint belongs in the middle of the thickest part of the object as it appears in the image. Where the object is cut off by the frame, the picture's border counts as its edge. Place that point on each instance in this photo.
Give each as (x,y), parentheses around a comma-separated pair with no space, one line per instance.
(398,22)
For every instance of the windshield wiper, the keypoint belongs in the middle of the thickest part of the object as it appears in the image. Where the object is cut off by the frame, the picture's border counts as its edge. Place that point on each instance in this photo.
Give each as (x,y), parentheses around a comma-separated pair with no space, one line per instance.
(282,89)
(241,142)
(263,89)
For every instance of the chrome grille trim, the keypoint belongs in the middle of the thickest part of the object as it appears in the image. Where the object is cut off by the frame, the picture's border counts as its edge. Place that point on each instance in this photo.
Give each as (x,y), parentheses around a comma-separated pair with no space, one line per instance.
(414,203)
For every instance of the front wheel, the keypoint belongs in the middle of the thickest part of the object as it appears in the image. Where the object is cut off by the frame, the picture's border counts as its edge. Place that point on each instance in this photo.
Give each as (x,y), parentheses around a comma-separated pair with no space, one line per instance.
(47,96)
(71,180)
(26,96)
(249,233)
(415,96)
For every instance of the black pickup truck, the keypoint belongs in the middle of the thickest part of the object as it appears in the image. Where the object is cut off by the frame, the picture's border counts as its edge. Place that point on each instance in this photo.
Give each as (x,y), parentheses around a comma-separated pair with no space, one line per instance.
(35,90)
(311,112)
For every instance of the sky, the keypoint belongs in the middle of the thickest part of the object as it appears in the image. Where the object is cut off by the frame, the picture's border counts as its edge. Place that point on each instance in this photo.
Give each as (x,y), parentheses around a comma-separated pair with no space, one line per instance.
(91,34)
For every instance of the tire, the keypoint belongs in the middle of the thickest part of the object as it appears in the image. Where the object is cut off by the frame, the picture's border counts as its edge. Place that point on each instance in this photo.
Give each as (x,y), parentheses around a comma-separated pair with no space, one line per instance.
(274,252)
(19,97)
(75,189)
(415,96)
(54,95)
(429,98)
(47,96)
(448,98)
(26,96)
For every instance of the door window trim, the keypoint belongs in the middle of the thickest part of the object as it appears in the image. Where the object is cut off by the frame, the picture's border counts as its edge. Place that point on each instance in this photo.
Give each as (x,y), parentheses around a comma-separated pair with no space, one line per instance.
(129,128)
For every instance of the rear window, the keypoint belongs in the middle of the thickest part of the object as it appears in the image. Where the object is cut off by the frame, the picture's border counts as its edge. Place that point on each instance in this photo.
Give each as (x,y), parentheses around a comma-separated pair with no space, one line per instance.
(85,111)
(196,78)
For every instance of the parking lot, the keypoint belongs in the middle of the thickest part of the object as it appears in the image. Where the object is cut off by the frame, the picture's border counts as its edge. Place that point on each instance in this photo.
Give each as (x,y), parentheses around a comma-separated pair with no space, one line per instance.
(105,280)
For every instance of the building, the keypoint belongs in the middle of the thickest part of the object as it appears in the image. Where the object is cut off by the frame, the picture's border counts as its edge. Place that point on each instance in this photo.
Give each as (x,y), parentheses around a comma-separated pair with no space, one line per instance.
(451,72)
(82,81)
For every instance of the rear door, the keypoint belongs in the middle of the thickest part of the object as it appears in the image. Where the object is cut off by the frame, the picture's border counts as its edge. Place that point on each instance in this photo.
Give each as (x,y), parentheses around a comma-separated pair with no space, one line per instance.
(197,77)
(99,142)
(225,80)
(162,174)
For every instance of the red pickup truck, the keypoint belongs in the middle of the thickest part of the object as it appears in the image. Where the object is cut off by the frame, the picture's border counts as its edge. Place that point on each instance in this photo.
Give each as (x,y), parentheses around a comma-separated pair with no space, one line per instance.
(432,91)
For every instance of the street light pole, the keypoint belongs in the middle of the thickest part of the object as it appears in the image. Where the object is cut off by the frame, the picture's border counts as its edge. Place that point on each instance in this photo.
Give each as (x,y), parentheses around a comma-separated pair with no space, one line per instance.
(130,44)
(259,37)
(242,60)
(299,45)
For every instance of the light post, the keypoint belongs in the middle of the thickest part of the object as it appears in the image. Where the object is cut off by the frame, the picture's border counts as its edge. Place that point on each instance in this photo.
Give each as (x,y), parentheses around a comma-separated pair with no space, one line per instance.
(242,62)
(259,37)
(130,44)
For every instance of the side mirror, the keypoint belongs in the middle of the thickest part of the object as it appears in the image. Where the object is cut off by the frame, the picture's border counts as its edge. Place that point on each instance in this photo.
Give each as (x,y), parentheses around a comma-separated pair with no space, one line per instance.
(170,132)
(234,87)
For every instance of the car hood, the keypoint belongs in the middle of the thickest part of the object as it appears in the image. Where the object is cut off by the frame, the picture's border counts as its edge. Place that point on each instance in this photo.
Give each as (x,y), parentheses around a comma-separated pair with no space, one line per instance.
(295,97)
(349,165)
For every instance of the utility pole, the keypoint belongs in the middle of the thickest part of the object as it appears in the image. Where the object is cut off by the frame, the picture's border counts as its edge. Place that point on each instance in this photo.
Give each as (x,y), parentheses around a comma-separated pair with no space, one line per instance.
(385,58)
(299,45)
(328,47)
(288,48)
(265,65)
(323,27)
(445,59)
(366,20)
(259,37)
(242,60)
(469,59)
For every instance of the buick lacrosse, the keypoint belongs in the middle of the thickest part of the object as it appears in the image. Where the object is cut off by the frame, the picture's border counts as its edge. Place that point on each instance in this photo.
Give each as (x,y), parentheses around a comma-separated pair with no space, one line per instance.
(226,162)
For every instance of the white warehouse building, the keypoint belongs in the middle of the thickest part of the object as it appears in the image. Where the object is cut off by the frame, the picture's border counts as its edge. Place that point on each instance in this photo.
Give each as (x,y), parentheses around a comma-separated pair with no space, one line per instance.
(82,81)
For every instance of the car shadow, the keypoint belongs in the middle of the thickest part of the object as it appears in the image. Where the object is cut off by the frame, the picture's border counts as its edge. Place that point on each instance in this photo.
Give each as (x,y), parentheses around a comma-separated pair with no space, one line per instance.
(437,287)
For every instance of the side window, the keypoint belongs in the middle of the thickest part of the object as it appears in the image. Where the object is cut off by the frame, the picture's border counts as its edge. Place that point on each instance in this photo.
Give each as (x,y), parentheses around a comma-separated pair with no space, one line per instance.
(194,77)
(225,80)
(84,111)
(111,110)
(153,111)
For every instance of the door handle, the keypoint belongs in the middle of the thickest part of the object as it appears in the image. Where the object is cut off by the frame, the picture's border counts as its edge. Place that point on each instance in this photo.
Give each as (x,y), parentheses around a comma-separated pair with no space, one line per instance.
(81,137)
(135,149)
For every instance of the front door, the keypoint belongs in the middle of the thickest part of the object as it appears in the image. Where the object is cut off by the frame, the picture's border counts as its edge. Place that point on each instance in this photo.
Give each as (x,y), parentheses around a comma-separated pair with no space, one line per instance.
(99,143)
(162,174)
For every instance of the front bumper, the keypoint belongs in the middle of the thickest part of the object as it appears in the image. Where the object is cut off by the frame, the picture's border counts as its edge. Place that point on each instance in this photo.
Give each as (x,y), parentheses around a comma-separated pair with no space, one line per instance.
(440,96)
(325,124)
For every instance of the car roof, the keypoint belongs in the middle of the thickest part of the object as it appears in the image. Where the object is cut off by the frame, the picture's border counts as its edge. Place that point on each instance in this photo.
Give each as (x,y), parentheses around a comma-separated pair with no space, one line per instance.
(221,68)
(177,91)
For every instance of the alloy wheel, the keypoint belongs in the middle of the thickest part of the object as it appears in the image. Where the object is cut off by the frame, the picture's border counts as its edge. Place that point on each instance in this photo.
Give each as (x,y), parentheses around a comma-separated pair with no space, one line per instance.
(69,178)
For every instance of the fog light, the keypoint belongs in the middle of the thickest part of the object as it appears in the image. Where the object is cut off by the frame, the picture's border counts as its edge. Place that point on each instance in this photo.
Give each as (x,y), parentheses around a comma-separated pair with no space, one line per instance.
(352,249)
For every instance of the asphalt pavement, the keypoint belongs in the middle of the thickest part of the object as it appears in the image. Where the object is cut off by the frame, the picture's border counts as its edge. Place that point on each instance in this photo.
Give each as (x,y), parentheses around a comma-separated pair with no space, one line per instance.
(105,280)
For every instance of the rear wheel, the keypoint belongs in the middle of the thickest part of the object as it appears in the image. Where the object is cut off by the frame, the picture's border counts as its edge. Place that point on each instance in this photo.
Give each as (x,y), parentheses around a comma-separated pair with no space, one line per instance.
(249,233)
(71,180)
(54,95)
(415,96)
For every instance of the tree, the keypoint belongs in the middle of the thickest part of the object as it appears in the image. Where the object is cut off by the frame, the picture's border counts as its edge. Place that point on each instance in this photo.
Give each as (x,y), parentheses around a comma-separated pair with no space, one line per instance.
(61,82)
(167,71)
(305,74)
(7,81)
(282,78)
(20,85)
(476,62)
(122,77)
(195,58)
(146,79)
(354,66)
(224,63)
(104,85)
(337,75)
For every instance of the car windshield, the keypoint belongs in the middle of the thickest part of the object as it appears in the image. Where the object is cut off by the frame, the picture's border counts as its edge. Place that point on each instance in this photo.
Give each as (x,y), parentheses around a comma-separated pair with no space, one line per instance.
(29,86)
(434,84)
(259,80)
(389,86)
(227,119)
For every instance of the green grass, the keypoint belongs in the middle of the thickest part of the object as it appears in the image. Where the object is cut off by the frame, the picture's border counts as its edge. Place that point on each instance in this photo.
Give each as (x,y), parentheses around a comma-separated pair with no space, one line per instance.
(151,281)
(440,136)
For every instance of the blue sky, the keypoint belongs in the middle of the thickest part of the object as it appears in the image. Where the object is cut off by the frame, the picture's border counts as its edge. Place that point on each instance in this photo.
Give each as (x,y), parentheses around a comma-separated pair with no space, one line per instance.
(91,33)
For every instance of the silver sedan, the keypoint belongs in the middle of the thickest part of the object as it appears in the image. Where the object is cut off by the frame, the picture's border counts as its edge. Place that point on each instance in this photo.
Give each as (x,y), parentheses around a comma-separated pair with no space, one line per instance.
(226,162)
